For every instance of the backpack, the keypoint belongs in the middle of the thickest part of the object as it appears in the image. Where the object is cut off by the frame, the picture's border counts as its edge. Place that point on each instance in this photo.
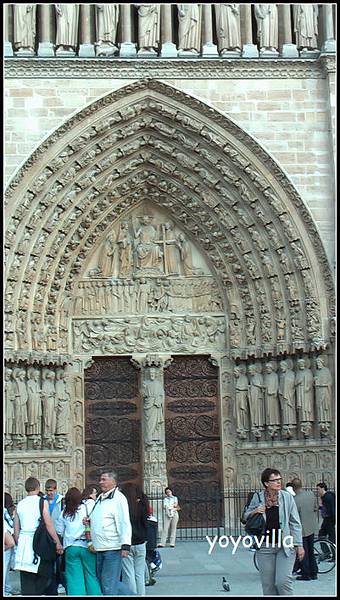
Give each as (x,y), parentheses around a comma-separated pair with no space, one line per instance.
(242,517)
(43,544)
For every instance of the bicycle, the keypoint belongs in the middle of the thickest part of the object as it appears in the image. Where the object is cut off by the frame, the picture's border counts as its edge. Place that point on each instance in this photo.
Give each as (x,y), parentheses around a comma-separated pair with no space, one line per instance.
(324,552)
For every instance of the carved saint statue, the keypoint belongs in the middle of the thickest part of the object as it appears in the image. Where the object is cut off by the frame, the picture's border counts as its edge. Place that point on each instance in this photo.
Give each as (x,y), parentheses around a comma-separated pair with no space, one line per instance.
(306,25)
(171,250)
(323,392)
(304,391)
(267,26)
(107,256)
(149,254)
(228,27)
(186,256)
(125,249)
(189,30)
(271,402)
(48,405)
(255,399)
(287,394)
(107,16)
(20,402)
(63,415)
(67,26)
(153,395)
(9,403)
(24,26)
(34,409)
(148,26)
(241,400)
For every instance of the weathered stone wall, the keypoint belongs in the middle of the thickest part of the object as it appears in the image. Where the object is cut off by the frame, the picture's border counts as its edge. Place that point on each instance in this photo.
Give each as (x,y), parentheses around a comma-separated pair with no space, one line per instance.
(293,118)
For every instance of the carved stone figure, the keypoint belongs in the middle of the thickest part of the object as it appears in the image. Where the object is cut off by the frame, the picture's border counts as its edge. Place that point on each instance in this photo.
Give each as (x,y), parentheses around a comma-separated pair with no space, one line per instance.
(287,398)
(306,25)
(323,392)
(267,26)
(148,27)
(241,401)
(34,409)
(125,249)
(62,396)
(186,256)
(107,16)
(67,26)
(228,27)
(304,391)
(255,399)
(171,250)
(189,30)
(107,256)
(9,404)
(153,407)
(20,406)
(24,27)
(48,406)
(271,388)
(149,254)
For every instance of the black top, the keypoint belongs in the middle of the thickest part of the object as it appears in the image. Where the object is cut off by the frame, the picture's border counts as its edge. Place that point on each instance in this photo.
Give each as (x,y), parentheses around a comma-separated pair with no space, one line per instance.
(138,524)
(328,505)
(273,523)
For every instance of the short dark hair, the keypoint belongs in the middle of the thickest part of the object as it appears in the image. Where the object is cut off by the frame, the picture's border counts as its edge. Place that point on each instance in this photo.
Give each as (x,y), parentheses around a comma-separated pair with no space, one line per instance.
(267,473)
(51,483)
(322,485)
(296,483)
(32,484)
(167,488)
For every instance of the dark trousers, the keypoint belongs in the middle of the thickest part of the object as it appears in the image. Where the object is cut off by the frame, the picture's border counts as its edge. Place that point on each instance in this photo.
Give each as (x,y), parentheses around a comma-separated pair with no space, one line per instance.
(309,567)
(57,578)
(32,584)
(328,529)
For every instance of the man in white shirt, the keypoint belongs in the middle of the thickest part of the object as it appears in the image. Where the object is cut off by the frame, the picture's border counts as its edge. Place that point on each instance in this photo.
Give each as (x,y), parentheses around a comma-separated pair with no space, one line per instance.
(171,508)
(111,534)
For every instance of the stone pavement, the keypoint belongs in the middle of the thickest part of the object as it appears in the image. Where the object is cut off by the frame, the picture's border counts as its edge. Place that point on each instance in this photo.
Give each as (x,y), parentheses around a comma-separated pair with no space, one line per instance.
(188,570)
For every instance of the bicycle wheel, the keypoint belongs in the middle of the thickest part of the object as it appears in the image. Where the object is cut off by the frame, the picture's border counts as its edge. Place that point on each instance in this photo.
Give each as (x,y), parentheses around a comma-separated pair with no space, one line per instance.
(255,561)
(324,552)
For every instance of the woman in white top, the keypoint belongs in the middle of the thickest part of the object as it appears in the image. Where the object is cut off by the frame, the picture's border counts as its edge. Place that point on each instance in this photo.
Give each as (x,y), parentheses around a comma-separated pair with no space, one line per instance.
(33,577)
(80,563)
(171,508)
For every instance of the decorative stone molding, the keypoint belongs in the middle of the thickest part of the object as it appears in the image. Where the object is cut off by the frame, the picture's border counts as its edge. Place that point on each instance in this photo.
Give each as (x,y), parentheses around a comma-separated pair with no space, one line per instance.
(221,68)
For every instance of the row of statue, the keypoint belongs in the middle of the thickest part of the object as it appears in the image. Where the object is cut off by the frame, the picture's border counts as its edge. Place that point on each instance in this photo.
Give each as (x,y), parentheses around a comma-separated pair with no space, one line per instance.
(145,295)
(145,247)
(37,408)
(283,400)
(109,19)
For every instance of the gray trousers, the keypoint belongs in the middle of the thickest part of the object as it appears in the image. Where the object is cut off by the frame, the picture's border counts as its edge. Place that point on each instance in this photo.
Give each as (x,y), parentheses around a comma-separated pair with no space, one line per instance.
(276,571)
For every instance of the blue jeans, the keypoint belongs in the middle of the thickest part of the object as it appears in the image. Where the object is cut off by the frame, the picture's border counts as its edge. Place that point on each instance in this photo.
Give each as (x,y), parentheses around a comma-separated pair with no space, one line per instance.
(109,566)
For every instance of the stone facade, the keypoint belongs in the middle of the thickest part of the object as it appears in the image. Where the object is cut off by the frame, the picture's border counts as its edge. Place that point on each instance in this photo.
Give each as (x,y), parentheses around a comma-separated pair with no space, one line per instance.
(171,207)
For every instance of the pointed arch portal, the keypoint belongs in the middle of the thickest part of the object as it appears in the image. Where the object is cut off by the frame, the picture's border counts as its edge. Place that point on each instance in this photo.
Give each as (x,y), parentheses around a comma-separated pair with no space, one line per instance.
(239,231)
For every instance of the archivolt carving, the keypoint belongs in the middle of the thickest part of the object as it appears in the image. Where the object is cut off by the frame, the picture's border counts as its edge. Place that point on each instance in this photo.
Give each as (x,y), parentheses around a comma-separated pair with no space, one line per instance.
(126,149)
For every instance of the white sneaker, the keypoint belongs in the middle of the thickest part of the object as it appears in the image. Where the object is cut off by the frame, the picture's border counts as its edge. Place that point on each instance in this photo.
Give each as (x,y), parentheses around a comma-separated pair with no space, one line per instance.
(61,589)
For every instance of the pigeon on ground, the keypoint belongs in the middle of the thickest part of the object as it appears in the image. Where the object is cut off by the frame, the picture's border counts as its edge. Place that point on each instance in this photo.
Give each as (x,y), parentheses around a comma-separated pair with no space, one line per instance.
(225,585)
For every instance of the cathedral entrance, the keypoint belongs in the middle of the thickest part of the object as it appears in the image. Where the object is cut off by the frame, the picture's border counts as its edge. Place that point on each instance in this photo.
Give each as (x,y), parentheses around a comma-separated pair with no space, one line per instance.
(112,420)
(192,439)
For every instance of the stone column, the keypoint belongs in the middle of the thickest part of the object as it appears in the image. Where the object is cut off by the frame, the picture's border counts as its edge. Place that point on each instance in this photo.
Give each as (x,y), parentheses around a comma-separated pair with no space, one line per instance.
(127,47)
(169,49)
(86,34)
(153,420)
(329,43)
(8,18)
(289,50)
(227,433)
(249,50)
(209,48)
(46,46)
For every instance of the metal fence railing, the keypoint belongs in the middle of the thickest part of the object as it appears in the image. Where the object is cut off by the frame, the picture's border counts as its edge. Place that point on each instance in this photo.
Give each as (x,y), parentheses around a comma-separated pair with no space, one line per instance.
(207,515)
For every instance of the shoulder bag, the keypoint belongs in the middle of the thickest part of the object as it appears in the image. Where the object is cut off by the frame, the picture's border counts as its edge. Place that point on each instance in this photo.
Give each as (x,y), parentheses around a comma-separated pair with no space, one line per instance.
(43,544)
(255,523)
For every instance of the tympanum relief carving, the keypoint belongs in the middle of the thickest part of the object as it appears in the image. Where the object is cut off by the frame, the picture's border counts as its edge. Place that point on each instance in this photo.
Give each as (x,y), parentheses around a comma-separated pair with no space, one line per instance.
(154,289)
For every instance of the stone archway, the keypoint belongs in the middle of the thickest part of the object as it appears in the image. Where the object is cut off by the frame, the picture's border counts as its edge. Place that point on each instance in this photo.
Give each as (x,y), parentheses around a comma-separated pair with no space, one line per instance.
(148,144)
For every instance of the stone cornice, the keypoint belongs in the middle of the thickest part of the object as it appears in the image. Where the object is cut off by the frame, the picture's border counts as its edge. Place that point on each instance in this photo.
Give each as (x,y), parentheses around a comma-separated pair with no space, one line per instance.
(198,68)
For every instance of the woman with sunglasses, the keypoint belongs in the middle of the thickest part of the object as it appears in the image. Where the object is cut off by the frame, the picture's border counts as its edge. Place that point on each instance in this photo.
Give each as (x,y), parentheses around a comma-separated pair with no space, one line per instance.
(282,535)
